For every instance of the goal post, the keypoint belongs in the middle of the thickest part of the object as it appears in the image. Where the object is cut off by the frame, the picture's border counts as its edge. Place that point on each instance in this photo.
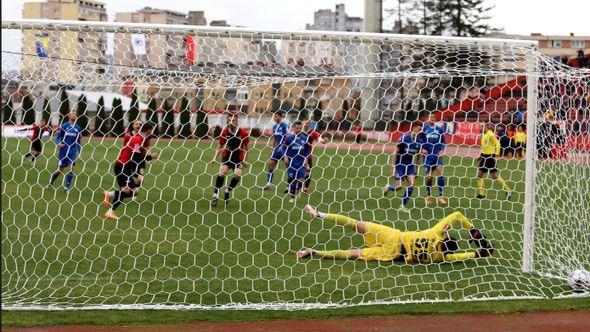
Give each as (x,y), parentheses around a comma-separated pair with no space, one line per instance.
(176,243)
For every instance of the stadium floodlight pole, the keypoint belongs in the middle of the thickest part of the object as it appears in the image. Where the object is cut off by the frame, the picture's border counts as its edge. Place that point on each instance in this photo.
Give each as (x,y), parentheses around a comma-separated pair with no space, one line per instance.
(369,111)
(532,80)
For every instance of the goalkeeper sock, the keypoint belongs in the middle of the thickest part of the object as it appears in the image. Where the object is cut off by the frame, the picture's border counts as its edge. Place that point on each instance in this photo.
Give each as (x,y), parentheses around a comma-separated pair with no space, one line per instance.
(407,195)
(440,181)
(503,183)
(480,187)
(119,196)
(69,178)
(338,254)
(54,176)
(428,187)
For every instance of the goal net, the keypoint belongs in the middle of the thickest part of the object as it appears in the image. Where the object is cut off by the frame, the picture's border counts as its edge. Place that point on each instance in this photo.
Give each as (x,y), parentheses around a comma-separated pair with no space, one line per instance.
(170,248)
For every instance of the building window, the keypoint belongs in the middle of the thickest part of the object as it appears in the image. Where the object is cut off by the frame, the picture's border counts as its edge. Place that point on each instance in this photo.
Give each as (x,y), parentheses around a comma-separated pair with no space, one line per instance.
(577,44)
(555,43)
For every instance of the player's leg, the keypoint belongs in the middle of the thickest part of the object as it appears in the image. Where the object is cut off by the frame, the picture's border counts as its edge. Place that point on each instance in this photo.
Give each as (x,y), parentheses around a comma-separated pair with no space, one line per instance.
(292,179)
(483,169)
(440,182)
(272,165)
(428,170)
(238,171)
(308,176)
(70,175)
(359,226)
(496,176)
(334,254)
(219,181)
(409,191)
(56,174)
(400,172)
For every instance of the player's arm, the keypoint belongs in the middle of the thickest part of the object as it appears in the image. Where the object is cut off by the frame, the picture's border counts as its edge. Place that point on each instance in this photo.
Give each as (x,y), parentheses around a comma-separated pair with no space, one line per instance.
(59,137)
(458,219)
(496,144)
(272,142)
(245,146)
(220,147)
(443,144)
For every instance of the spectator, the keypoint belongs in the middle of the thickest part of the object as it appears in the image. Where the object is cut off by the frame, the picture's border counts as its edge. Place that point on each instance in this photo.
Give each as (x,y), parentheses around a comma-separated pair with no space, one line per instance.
(519,142)
(358,129)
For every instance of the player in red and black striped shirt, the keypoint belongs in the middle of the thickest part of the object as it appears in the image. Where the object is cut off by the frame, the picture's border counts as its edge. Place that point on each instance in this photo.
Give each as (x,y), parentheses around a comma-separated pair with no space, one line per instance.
(233,146)
(314,137)
(36,145)
(127,166)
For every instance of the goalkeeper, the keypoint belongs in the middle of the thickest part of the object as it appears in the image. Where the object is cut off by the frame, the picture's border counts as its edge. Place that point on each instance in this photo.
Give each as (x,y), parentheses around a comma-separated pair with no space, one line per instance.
(388,244)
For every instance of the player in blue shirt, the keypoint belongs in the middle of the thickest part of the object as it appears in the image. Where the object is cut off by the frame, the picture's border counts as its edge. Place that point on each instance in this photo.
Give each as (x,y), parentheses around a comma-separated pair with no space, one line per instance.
(433,150)
(403,167)
(279,131)
(69,142)
(298,150)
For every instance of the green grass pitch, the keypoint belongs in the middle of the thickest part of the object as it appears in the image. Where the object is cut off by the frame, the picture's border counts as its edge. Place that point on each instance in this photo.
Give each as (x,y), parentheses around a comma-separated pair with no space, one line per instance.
(170,247)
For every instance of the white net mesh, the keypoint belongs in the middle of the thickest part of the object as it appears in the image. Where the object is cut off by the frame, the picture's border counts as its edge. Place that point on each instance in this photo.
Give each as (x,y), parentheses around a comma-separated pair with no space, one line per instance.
(361,92)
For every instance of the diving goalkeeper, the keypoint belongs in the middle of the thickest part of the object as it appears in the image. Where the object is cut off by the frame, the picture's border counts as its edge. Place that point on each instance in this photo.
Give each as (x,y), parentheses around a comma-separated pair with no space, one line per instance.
(388,244)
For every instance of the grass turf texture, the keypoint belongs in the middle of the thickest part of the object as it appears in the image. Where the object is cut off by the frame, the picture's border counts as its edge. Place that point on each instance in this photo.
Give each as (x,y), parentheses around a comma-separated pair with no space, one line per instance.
(170,247)
(143,317)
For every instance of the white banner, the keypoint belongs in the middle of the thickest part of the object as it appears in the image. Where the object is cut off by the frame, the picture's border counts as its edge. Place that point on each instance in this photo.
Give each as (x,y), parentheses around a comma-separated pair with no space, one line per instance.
(138,43)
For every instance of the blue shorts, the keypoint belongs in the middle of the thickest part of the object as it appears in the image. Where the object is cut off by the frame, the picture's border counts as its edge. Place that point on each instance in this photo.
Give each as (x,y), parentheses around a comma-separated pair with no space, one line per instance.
(65,160)
(431,162)
(296,173)
(403,171)
(277,154)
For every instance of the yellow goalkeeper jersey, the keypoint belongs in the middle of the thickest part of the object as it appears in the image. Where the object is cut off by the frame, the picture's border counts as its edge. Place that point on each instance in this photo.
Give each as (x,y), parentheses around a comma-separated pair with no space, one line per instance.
(425,246)
(490,144)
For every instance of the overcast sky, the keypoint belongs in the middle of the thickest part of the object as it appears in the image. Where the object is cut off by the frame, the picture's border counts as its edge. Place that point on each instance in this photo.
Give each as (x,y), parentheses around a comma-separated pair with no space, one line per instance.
(515,16)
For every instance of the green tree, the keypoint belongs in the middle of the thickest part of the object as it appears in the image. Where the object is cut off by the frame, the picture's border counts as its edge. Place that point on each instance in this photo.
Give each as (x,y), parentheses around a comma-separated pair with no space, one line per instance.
(101,120)
(82,113)
(185,119)
(118,128)
(46,111)
(8,113)
(133,112)
(28,111)
(64,106)
(202,126)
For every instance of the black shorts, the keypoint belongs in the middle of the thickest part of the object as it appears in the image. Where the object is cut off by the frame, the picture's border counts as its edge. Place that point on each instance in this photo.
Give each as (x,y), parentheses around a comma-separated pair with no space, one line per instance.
(487,163)
(37,146)
(232,162)
(124,175)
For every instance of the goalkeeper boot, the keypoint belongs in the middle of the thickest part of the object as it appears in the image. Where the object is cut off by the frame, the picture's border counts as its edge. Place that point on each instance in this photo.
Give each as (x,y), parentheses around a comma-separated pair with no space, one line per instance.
(480,196)
(442,201)
(214,202)
(306,253)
